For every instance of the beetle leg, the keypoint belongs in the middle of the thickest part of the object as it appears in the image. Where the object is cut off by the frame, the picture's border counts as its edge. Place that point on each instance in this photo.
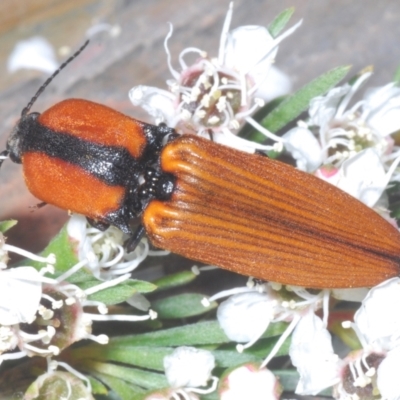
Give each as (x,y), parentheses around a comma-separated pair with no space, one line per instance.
(134,240)
(37,206)
(101,226)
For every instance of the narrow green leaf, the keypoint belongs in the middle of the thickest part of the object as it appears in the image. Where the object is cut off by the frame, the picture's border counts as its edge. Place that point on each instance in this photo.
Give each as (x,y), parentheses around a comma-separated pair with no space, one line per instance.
(97,386)
(181,306)
(294,105)
(112,295)
(120,293)
(264,346)
(348,336)
(141,378)
(7,224)
(232,358)
(208,332)
(126,391)
(175,280)
(201,333)
(140,356)
(279,23)
(289,378)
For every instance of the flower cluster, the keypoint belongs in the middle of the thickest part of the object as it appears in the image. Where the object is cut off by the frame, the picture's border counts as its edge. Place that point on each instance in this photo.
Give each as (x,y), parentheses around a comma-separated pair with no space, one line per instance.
(50,303)
(349,145)
(214,96)
(41,316)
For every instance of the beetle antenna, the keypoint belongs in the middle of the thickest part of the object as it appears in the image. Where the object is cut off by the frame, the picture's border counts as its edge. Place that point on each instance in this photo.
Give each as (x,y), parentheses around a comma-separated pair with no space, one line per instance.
(56,72)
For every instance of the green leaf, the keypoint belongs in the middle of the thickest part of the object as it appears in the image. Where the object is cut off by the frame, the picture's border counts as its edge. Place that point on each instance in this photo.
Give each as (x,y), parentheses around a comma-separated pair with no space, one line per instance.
(141,378)
(294,105)
(66,257)
(232,358)
(264,346)
(280,22)
(140,356)
(124,390)
(289,378)
(97,386)
(175,280)
(348,336)
(208,332)
(201,333)
(120,293)
(7,224)
(181,306)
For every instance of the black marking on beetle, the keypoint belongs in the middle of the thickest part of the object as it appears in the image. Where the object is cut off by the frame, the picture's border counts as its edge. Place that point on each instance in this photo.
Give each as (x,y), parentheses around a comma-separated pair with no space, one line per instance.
(113,165)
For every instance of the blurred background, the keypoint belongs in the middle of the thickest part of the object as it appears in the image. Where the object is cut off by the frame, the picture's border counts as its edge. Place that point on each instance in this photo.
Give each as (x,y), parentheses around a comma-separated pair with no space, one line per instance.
(127,50)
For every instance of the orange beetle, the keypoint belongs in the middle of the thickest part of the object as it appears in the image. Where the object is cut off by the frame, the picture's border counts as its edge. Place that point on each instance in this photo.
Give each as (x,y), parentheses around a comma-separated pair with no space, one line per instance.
(205,201)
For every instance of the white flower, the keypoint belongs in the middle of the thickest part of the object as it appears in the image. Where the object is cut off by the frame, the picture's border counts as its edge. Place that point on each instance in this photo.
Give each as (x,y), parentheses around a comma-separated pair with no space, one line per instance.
(104,252)
(20,295)
(305,148)
(376,325)
(34,308)
(214,96)
(363,176)
(188,368)
(351,147)
(249,382)
(20,288)
(33,53)
(363,373)
(381,108)
(246,315)
(312,353)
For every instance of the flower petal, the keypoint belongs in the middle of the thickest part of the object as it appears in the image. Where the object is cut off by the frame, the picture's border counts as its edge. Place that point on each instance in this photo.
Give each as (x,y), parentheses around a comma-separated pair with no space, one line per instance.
(312,354)
(323,108)
(20,294)
(157,102)
(388,376)
(363,176)
(245,316)
(275,84)
(33,53)
(250,382)
(188,367)
(382,107)
(247,47)
(304,147)
(377,327)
